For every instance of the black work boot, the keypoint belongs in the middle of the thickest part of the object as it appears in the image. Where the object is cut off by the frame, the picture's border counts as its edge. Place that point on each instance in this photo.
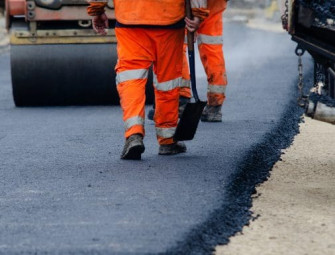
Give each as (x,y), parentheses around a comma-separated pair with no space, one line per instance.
(170,149)
(133,148)
(212,114)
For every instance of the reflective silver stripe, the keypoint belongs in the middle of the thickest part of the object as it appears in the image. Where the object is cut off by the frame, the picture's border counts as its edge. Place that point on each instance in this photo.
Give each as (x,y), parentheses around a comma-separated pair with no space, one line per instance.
(218,89)
(167,85)
(185,39)
(185,83)
(209,39)
(102,1)
(165,132)
(131,75)
(199,3)
(137,120)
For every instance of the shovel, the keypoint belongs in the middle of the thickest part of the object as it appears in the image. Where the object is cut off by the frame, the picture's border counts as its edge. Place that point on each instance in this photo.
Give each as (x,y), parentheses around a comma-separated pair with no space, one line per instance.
(190,118)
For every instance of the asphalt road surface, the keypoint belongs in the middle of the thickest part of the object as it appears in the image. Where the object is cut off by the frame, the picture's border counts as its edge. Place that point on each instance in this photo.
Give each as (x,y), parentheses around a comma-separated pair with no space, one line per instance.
(64,190)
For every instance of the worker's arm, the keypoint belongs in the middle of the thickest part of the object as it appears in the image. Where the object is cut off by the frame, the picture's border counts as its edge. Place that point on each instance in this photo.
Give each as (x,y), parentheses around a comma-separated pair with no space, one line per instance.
(200,12)
(96,9)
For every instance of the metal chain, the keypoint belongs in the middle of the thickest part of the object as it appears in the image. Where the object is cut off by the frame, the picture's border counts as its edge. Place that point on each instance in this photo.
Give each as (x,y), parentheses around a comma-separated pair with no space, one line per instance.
(284,17)
(301,98)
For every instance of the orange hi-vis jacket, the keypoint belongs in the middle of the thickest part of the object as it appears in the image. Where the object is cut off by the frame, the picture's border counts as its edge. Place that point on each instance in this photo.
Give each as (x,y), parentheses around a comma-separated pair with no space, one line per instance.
(139,12)
(148,12)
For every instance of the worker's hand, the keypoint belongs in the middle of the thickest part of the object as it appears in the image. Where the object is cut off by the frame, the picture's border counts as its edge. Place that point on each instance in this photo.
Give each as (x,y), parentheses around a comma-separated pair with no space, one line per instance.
(100,24)
(192,24)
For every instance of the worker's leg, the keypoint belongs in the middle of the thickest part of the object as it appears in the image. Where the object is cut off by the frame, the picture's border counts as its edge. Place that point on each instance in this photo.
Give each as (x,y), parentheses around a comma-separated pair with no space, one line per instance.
(167,78)
(210,44)
(185,87)
(134,59)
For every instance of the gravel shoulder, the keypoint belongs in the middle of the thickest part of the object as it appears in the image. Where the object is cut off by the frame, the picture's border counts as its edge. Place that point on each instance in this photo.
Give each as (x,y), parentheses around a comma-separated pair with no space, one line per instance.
(295,208)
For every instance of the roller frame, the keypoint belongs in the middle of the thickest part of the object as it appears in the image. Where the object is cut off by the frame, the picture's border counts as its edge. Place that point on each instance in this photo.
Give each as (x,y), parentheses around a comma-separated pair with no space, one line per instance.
(70,66)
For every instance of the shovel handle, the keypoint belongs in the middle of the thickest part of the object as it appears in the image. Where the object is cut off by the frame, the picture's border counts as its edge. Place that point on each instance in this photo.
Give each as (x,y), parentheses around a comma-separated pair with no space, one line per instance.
(190,44)
(190,35)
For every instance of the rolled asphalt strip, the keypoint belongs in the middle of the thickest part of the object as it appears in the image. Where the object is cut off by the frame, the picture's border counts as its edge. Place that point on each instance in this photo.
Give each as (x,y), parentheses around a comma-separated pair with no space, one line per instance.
(234,212)
(297,216)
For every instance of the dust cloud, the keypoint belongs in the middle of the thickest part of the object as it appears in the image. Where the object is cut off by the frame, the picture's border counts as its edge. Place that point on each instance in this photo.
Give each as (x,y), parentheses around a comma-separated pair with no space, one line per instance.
(262,39)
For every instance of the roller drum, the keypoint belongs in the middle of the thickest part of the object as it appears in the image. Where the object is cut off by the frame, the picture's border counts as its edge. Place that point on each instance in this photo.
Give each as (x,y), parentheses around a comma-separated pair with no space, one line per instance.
(66,74)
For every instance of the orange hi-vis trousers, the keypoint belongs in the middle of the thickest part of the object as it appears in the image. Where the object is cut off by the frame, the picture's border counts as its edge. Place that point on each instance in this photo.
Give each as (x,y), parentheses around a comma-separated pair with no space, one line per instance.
(210,43)
(138,49)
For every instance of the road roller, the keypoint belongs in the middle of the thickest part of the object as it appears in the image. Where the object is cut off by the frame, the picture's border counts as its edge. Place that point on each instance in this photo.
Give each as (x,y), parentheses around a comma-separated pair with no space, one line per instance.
(57,58)
(312,26)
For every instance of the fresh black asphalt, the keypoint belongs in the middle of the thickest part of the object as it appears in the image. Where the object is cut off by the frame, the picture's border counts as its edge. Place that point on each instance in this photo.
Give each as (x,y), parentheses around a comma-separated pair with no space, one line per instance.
(64,190)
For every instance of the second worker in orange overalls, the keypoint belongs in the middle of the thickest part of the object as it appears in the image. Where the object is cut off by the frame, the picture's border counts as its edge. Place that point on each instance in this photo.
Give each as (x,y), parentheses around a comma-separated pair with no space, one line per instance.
(210,43)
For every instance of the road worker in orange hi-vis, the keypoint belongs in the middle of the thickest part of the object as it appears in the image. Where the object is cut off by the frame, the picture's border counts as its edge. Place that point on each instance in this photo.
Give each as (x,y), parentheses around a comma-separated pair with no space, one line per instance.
(210,42)
(149,33)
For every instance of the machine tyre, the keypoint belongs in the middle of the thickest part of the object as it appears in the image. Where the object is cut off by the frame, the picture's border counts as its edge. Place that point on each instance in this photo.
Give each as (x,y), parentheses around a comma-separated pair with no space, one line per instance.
(66,74)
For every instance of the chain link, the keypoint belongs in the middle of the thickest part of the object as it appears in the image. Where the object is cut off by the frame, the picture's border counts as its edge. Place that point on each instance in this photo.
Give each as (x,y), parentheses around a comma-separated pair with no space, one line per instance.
(284,17)
(301,98)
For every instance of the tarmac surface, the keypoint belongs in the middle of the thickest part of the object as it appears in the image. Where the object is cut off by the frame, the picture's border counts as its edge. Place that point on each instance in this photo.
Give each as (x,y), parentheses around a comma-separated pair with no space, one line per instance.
(64,190)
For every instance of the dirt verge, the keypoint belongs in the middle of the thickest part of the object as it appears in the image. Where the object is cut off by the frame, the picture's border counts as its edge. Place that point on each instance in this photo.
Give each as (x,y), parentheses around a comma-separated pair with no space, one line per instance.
(294,209)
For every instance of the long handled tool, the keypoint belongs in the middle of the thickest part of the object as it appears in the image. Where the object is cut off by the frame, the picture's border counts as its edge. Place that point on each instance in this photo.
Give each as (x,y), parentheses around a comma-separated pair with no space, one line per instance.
(189,120)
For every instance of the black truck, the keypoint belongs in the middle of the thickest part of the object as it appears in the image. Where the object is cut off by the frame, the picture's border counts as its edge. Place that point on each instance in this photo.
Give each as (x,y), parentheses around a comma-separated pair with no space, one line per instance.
(311,23)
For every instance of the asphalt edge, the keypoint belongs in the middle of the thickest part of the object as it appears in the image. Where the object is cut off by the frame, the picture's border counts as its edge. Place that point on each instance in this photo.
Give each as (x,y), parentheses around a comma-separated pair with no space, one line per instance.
(255,168)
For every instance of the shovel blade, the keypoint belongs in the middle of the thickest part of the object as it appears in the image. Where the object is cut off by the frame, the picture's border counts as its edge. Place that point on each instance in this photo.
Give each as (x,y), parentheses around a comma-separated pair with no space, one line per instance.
(189,121)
